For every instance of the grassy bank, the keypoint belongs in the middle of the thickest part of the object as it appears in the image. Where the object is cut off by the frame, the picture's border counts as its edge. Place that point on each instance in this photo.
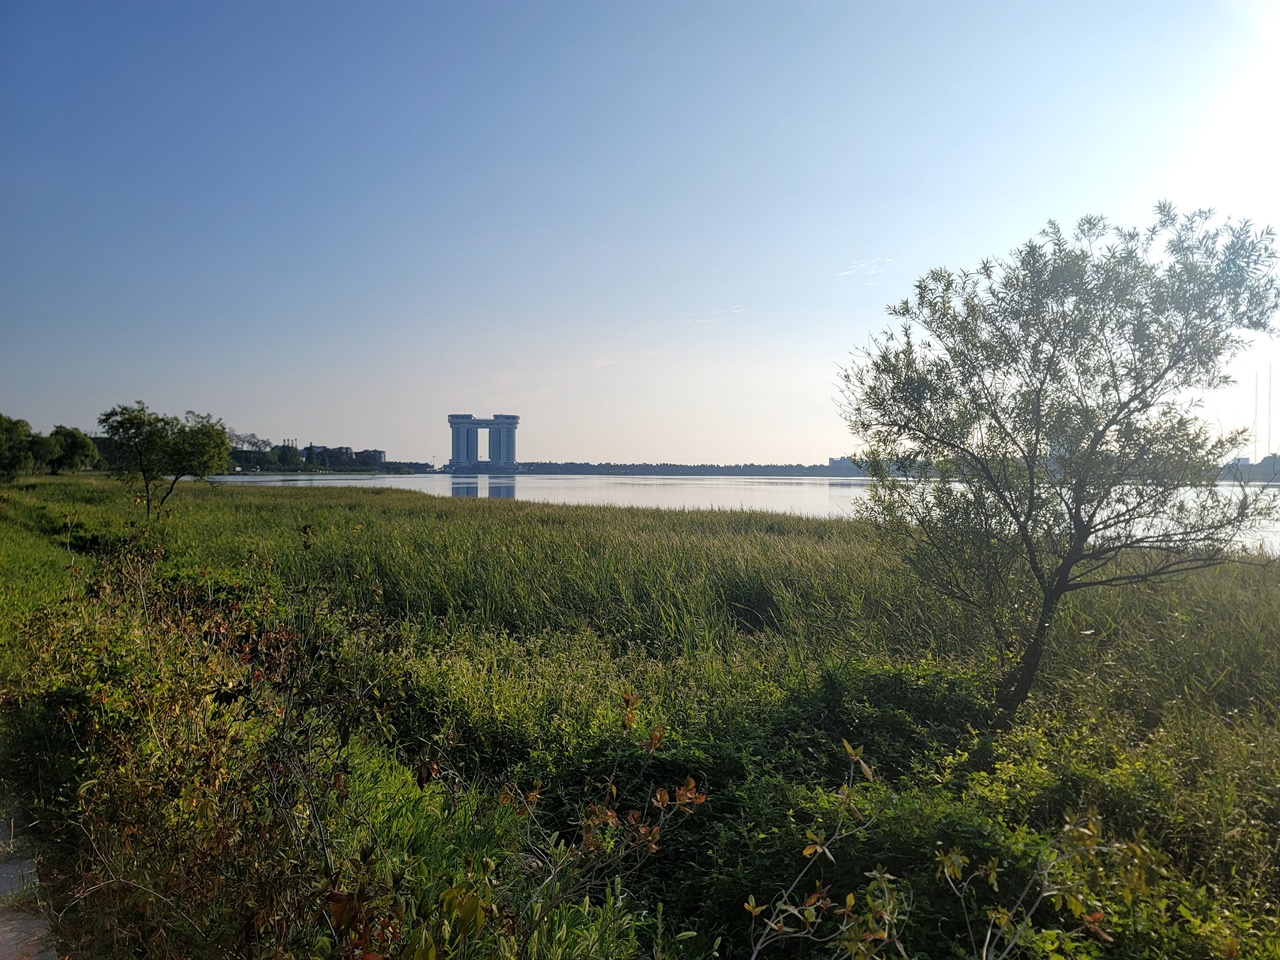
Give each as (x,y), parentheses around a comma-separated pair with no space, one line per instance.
(351,722)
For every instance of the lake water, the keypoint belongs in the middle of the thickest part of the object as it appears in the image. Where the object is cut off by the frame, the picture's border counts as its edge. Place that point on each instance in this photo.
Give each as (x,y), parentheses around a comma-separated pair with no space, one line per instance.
(809,496)
(806,496)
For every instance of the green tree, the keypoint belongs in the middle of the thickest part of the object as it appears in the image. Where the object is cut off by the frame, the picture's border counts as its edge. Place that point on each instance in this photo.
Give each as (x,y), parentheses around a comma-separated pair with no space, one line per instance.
(42,450)
(1032,429)
(287,456)
(15,447)
(71,449)
(154,448)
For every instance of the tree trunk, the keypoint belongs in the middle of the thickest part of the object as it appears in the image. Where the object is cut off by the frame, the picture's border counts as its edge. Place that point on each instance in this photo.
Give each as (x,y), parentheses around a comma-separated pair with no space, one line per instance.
(1016,685)
(172,483)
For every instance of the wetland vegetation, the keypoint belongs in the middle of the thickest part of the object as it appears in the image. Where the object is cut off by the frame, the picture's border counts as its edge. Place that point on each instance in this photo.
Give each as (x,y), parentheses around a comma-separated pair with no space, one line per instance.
(368,722)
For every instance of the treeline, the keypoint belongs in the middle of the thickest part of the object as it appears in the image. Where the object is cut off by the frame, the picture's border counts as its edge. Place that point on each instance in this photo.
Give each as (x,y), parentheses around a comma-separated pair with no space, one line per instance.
(24,451)
(135,440)
(137,444)
(251,454)
(254,454)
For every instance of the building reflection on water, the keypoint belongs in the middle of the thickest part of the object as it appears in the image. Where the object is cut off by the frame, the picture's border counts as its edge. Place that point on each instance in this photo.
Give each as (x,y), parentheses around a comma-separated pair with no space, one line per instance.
(463,486)
(498,487)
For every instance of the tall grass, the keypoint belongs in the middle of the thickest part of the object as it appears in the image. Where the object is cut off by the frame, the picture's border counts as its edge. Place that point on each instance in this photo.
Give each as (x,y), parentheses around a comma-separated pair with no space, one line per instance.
(661,580)
(512,644)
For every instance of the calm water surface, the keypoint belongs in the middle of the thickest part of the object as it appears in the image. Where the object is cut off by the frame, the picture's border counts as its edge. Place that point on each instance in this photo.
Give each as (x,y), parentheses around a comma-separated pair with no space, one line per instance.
(809,496)
(806,496)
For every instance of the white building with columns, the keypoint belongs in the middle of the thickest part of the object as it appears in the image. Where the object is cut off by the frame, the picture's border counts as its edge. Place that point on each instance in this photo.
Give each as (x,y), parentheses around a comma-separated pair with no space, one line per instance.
(466,441)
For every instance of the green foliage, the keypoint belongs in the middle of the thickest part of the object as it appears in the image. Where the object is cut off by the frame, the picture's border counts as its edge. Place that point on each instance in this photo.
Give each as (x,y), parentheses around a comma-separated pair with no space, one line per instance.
(1029,429)
(15,447)
(313,723)
(152,447)
(24,451)
(71,450)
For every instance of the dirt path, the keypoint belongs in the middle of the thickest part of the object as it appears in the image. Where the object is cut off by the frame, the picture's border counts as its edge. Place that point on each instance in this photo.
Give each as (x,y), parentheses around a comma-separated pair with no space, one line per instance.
(24,934)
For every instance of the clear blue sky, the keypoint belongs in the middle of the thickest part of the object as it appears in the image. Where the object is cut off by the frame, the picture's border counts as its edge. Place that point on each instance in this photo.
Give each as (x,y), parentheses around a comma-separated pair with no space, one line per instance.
(654,231)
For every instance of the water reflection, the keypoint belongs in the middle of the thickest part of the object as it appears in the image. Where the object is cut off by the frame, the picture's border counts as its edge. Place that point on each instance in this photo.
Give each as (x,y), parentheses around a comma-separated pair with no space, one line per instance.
(464,486)
(496,487)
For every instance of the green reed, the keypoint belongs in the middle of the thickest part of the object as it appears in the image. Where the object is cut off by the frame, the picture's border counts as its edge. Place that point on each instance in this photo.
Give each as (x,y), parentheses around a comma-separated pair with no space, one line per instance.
(504,639)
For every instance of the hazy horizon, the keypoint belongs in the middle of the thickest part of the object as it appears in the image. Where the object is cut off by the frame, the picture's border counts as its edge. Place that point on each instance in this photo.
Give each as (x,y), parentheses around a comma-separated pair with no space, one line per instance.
(654,232)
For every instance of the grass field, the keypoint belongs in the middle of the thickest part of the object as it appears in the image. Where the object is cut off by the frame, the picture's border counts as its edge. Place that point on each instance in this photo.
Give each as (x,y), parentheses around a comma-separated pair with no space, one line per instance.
(346,722)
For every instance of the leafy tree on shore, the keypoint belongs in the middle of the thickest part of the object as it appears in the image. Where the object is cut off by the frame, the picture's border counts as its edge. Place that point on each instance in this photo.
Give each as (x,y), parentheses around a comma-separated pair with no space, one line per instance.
(153,447)
(1032,428)
(248,441)
(15,447)
(70,449)
(22,450)
(42,450)
(287,455)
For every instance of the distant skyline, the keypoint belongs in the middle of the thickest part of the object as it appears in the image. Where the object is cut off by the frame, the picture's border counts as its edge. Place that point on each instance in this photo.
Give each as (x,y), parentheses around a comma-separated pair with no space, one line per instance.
(653,231)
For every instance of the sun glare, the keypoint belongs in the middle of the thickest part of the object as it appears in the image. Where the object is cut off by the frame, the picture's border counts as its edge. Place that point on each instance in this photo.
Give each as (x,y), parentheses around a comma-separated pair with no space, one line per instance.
(1227,161)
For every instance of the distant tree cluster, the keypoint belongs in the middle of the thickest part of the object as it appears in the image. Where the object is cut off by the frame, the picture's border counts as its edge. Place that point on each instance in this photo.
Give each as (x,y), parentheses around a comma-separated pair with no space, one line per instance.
(254,453)
(249,442)
(23,451)
(343,458)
